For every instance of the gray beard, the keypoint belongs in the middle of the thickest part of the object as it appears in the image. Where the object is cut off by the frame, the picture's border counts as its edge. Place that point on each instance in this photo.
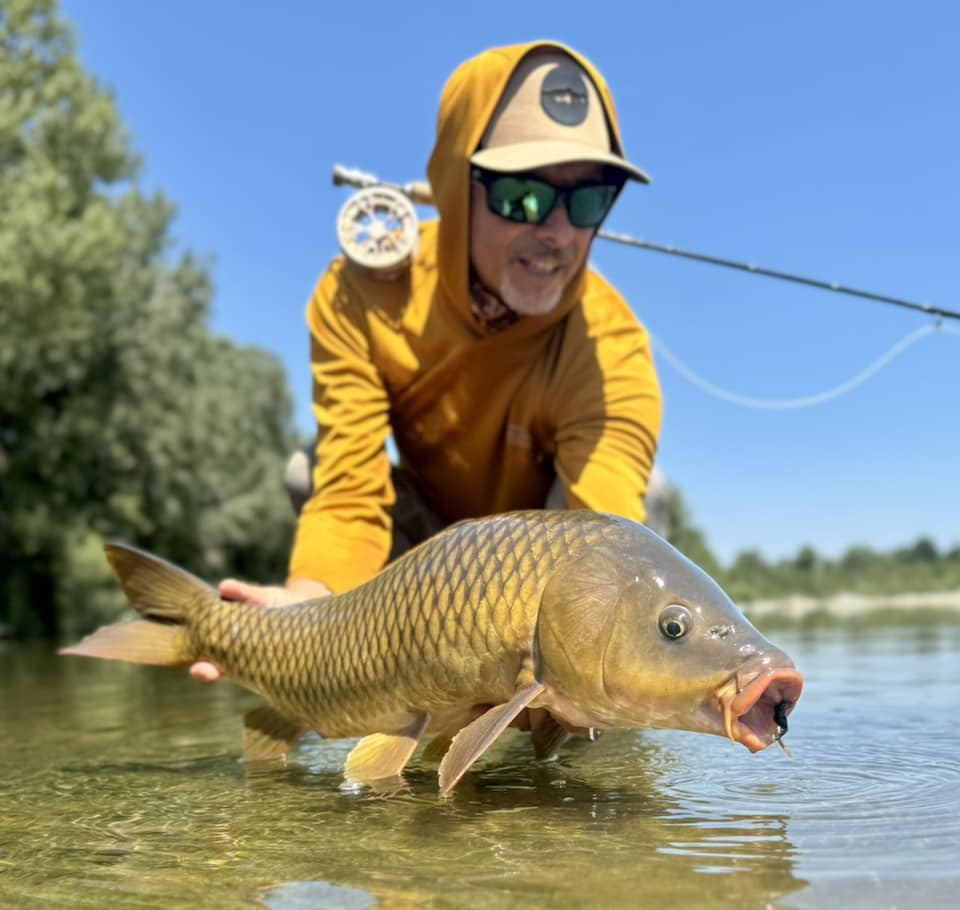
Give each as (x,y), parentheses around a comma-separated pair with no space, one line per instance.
(523,304)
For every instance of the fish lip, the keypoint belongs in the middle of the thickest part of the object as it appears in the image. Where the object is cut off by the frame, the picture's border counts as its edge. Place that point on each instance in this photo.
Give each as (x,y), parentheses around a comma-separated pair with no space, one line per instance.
(748,702)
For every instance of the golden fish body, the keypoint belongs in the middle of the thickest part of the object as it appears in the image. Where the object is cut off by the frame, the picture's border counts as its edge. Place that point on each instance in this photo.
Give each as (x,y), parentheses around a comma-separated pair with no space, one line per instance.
(444,628)
(590,616)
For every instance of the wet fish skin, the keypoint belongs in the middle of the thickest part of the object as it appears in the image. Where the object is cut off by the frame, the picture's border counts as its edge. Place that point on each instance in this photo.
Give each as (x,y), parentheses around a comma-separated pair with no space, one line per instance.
(543,609)
(449,624)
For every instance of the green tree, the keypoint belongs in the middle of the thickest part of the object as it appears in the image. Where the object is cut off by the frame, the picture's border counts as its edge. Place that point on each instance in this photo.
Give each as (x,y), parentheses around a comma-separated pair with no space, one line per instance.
(749,576)
(807,561)
(120,413)
(922,550)
(859,560)
(688,538)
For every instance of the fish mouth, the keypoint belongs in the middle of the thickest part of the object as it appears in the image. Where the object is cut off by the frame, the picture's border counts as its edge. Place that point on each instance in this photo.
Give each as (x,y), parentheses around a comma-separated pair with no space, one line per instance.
(755,705)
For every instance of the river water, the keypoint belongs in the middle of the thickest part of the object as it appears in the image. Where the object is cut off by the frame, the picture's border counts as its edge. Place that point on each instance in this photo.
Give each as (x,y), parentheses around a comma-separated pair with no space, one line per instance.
(122,786)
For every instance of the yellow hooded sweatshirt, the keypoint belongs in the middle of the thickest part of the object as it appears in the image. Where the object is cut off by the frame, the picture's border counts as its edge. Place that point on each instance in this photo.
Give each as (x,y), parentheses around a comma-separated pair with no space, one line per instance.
(483,421)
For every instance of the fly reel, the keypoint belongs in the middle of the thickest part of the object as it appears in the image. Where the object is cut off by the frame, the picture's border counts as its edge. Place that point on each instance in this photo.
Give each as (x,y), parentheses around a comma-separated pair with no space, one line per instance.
(377,229)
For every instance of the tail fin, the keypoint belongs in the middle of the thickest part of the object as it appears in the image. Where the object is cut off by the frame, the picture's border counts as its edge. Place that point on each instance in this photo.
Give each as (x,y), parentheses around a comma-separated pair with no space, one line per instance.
(164,595)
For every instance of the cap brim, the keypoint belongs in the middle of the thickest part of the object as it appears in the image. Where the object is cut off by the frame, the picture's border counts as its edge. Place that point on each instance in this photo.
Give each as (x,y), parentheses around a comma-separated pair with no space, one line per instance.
(527,156)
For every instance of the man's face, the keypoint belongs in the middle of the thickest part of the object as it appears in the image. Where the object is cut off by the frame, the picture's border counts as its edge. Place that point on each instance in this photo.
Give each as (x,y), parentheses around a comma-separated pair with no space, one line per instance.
(529,265)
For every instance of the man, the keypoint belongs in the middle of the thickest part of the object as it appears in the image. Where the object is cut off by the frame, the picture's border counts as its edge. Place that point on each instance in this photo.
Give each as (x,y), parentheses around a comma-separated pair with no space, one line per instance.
(503,367)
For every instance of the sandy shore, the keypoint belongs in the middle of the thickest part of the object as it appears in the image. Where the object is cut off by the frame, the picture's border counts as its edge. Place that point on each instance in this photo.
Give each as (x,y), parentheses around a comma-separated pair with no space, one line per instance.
(845,606)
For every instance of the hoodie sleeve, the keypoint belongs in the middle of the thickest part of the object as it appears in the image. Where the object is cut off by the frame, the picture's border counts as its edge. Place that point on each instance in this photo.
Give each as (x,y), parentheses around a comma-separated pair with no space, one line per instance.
(344,532)
(608,412)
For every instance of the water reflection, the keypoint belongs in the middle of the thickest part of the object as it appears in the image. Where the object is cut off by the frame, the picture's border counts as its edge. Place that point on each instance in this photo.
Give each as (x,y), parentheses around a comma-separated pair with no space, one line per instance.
(594,830)
(316,896)
(122,785)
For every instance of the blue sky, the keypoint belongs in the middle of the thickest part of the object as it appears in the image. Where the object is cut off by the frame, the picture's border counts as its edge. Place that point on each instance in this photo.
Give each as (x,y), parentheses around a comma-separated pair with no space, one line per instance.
(821,138)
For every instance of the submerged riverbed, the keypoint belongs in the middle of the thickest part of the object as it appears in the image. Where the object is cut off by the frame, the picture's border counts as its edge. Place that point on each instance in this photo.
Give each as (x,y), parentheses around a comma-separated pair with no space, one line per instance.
(122,786)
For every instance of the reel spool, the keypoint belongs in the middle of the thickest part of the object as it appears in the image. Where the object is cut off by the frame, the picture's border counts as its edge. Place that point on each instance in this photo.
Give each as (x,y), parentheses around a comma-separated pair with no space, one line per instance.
(377,228)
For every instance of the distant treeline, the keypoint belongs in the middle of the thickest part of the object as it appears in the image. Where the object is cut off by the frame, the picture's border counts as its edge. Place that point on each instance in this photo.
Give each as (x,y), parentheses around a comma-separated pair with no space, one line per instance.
(918,567)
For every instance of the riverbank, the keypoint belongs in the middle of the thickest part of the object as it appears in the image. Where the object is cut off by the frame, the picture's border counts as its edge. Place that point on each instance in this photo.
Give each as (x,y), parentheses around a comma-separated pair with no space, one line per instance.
(845,606)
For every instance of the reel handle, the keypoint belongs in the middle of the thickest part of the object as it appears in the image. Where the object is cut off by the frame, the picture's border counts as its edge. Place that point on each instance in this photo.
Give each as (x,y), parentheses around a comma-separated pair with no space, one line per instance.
(351,176)
(417,191)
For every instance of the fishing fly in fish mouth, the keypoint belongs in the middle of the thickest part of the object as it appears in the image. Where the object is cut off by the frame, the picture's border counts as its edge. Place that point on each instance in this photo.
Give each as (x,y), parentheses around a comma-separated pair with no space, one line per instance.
(590,617)
(755,706)
(780,716)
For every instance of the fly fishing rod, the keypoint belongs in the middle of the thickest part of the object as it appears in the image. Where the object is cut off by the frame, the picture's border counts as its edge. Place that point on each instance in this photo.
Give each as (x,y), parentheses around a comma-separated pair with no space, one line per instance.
(377,229)
(774,273)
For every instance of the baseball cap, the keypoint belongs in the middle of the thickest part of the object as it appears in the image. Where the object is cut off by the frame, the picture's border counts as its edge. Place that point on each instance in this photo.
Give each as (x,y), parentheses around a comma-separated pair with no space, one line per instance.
(550,113)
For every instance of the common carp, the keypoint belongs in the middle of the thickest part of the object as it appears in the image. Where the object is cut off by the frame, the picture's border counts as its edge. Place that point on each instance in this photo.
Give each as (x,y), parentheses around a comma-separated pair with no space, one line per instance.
(593,617)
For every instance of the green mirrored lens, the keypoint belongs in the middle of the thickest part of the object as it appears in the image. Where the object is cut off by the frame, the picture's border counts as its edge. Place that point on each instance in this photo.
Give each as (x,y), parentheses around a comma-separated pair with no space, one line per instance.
(518,199)
(588,205)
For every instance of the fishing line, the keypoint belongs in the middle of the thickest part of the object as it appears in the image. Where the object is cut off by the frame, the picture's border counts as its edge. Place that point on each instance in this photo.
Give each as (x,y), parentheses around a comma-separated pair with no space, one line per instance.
(786,404)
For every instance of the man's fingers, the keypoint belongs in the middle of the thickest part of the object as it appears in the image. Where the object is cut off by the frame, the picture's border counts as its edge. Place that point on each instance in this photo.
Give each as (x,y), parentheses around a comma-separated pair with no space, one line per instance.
(267,595)
(205,672)
(232,589)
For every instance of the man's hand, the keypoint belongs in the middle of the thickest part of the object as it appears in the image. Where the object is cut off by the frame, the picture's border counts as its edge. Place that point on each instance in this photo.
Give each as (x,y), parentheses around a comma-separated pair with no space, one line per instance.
(296,590)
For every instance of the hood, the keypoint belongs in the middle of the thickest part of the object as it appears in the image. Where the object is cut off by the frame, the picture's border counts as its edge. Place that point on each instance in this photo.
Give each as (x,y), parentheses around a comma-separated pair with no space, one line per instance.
(467,104)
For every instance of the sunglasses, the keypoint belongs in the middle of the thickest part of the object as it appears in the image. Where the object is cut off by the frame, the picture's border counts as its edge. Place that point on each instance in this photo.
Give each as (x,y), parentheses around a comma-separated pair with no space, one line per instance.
(530,200)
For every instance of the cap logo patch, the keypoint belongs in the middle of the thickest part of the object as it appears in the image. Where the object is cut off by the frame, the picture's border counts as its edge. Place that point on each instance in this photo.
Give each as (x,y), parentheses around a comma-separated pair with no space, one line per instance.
(563,95)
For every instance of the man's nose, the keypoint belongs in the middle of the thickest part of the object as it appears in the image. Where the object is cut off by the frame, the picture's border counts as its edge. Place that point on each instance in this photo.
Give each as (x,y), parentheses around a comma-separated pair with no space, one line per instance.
(556,227)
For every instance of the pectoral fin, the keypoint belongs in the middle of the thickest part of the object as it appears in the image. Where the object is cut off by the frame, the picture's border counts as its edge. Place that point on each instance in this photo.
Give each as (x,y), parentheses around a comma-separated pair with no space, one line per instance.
(383,755)
(268,734)
(475,738)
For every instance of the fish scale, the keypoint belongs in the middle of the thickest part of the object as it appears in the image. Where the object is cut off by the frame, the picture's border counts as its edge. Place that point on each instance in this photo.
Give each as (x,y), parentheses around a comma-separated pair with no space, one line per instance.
(451,609)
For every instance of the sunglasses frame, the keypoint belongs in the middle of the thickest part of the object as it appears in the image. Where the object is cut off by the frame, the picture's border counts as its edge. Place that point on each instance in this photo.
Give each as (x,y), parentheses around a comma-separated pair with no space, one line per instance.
(486,178)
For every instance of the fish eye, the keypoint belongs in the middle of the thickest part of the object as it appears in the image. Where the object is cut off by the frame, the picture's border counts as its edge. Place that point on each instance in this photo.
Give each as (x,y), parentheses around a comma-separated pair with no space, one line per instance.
(675,621)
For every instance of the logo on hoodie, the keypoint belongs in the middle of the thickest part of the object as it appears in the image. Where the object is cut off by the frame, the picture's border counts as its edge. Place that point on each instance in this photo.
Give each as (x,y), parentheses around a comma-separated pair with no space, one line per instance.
(563,95)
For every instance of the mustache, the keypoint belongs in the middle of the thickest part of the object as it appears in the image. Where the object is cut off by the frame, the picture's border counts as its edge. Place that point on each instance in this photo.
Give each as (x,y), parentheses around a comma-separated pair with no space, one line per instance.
(535,249)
